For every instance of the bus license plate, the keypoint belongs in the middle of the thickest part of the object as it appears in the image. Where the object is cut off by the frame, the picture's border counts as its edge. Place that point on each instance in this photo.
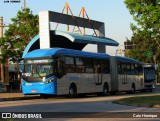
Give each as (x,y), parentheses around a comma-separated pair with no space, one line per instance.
(34,90)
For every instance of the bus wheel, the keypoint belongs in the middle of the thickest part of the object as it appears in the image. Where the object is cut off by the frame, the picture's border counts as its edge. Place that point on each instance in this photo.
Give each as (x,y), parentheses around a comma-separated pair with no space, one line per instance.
(105,90)
(72,90)
(133,89)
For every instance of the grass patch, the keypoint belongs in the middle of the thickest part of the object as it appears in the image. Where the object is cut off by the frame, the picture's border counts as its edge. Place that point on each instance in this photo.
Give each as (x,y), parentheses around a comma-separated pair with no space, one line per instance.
(141,101)
(8,119)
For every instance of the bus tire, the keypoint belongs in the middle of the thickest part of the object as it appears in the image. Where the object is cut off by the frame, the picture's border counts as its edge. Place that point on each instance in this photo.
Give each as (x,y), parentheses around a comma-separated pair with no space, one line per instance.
(105,89)
(133,89)
(72,90)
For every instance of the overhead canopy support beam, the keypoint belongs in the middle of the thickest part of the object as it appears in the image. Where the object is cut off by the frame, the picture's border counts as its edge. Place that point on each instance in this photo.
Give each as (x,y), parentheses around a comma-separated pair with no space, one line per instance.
(68,19)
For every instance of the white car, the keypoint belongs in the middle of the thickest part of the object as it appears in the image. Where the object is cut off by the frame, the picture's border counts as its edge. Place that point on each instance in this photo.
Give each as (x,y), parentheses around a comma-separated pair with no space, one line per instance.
(3,88)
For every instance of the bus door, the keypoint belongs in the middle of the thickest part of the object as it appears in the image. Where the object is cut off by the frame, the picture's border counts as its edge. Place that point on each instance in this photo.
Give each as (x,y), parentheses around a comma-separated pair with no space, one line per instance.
(98,73)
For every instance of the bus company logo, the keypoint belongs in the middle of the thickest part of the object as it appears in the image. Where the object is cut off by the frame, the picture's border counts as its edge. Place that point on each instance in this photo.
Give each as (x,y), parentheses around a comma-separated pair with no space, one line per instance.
(6,115)
(12,1)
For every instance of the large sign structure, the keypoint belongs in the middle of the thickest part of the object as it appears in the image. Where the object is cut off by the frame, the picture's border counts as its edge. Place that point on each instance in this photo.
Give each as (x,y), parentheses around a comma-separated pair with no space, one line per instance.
(46,17)
(52,38)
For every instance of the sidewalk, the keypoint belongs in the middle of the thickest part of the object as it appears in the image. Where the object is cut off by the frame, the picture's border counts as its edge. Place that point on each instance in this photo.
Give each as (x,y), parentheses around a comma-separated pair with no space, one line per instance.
(11,96)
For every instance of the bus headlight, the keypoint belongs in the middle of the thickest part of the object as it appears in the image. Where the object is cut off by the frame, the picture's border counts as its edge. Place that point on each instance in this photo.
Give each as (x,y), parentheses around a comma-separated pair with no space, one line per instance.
(153,86)
(49,80)
(44,78)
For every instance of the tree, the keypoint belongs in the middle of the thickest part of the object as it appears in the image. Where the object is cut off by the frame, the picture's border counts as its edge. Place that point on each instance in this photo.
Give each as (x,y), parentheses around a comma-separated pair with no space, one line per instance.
(20,32)
(146,34)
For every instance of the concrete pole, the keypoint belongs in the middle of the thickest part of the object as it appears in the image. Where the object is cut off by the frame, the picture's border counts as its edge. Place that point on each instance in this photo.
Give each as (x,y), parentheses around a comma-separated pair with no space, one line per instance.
(1,35)
(101,33)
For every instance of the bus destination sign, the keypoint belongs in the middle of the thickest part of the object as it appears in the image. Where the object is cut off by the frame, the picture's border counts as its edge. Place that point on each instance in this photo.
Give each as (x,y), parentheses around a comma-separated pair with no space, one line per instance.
(39,61)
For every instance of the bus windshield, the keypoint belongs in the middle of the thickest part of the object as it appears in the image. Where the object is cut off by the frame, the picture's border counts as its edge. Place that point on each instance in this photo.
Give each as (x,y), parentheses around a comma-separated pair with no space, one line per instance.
(149,73)
(38,68)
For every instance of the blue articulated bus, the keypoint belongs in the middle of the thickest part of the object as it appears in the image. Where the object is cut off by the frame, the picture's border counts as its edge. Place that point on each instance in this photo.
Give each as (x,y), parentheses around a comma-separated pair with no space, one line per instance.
(59,71)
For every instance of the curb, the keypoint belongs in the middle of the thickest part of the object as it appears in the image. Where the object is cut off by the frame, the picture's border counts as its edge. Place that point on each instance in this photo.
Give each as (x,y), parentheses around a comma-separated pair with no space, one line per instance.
(19,98)
(131,104)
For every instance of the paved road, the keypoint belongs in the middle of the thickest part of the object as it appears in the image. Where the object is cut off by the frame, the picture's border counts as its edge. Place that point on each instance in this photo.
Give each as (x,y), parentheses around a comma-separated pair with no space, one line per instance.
(62,104)
(90,106)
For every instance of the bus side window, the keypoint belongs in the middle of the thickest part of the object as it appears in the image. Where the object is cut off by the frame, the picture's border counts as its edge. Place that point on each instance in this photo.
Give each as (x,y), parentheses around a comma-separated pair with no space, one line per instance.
(96,66)
(140,69)
(105,66)
(132,69)
(88,62)
(128,69)
(70,64)
(59,69)
(79,65)
(123,68)
(136,69)
(119,68)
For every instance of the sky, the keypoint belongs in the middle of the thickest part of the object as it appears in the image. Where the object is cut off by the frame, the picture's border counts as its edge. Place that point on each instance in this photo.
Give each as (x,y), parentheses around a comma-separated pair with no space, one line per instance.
(113,13)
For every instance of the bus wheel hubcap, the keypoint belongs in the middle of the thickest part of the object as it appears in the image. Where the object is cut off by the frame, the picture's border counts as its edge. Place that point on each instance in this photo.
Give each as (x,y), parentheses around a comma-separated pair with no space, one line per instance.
(71,91)
(105,90)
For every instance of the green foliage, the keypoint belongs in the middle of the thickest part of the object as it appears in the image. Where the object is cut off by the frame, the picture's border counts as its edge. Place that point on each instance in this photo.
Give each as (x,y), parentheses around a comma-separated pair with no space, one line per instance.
(147,101)
(20,32)
(146,34)
(9,119)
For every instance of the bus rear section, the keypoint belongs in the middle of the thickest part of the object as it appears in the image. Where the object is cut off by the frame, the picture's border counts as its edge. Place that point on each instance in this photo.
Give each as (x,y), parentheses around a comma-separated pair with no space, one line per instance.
(126,74)
(149,77)
(38,77)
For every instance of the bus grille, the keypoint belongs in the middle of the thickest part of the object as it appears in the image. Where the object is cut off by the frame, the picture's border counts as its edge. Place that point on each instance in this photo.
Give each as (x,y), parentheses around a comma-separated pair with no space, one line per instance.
(32,79)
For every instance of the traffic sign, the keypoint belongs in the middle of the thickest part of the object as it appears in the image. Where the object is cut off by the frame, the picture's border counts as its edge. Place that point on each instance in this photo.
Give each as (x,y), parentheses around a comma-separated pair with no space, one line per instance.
(149,54)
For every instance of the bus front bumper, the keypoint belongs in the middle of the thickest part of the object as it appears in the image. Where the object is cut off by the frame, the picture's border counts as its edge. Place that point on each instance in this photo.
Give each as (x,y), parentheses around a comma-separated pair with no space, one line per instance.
(37,88)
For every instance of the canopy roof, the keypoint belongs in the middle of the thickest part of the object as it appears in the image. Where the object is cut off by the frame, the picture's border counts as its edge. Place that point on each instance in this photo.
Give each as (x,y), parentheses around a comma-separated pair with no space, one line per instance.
(88,39)
(69,40)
